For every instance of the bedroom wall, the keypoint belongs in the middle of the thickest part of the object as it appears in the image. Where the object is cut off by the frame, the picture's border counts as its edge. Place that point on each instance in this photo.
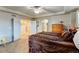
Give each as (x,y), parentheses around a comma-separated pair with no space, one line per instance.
(5,26)
(68,19)
(77,19)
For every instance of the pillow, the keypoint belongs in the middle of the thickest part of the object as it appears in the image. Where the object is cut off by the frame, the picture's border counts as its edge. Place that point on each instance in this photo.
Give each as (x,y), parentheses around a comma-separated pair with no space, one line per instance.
(63,33)
(67,36)
(76,39)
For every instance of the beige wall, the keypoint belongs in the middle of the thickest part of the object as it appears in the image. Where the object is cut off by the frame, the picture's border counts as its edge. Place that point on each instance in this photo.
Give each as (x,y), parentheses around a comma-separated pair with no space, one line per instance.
(25,27)
(74,19)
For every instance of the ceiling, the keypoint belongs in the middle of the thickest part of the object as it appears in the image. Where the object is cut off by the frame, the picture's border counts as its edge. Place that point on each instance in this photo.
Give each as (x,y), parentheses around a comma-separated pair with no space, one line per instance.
(44,11)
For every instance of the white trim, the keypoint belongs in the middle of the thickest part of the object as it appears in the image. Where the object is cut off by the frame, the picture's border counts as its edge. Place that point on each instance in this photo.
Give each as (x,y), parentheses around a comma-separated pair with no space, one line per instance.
(12,11)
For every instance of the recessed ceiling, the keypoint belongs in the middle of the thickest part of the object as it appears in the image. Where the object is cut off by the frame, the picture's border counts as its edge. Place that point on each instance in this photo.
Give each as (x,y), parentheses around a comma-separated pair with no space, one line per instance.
(45,10)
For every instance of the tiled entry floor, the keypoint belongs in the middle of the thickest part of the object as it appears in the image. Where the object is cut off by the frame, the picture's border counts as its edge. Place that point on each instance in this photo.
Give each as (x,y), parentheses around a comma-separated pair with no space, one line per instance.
(19,46)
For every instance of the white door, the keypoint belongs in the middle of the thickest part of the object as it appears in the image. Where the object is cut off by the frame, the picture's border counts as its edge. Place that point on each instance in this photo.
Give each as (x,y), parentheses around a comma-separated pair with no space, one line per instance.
(33,27)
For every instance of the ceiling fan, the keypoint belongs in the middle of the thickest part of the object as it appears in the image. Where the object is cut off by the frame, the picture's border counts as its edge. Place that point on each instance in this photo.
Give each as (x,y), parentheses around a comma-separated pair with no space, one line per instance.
(36,9)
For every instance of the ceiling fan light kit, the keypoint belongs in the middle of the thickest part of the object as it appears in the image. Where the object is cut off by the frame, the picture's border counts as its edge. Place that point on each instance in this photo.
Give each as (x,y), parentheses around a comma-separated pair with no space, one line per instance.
(36,11)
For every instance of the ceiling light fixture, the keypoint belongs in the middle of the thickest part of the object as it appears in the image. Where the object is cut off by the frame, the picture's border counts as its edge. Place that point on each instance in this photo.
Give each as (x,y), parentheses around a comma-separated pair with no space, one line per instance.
(36,9)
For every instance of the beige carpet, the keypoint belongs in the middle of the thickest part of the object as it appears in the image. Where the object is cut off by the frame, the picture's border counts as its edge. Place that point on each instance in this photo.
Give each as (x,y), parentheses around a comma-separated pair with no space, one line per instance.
(19,46)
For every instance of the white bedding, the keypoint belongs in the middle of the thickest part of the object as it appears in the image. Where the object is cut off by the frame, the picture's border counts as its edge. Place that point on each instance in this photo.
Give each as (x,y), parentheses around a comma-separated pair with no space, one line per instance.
(76,40)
